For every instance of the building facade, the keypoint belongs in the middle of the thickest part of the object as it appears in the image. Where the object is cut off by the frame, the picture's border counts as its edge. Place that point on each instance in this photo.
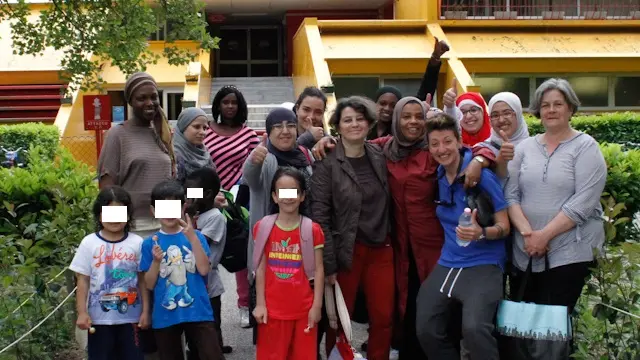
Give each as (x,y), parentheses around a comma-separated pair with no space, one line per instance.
(272,49)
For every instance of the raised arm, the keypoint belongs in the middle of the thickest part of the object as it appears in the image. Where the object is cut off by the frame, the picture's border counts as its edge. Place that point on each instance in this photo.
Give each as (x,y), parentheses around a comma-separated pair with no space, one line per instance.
(430,78)
(252,170)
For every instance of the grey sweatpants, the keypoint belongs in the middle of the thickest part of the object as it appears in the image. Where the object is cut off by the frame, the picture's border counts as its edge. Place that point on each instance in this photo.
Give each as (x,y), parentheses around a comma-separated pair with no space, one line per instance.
(479,290)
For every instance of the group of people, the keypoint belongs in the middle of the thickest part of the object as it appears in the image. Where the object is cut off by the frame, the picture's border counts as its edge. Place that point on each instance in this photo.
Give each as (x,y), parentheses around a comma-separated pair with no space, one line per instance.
(375,209)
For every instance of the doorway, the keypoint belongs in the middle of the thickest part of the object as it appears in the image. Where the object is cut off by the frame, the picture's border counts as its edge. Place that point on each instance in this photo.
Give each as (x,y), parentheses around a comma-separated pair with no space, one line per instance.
(250,51)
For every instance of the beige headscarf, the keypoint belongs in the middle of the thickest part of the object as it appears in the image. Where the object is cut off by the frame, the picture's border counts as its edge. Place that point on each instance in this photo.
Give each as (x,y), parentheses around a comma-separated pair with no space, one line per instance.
(160,124)
(399,147)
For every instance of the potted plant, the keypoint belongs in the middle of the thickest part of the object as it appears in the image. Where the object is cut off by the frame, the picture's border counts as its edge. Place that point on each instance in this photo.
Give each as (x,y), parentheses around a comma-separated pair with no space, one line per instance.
(595,14)
(458,11)
(505,15)
(553,15)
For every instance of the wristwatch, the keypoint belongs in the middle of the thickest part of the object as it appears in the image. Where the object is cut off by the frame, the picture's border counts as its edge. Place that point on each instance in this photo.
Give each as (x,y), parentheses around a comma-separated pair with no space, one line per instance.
(479,159)
(484,234)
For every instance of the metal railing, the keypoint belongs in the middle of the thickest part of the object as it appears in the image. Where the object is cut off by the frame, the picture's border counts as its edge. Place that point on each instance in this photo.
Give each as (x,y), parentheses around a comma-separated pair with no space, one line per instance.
(540,9)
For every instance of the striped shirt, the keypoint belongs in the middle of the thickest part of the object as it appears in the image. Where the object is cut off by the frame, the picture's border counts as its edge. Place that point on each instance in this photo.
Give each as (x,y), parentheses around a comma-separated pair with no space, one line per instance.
(230,152)
(570,180)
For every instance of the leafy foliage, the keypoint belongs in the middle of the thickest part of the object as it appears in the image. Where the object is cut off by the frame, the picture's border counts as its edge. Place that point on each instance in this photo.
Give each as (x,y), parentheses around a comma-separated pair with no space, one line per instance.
(25,135)
(623,184)
(45,210)
(608,327)
(621,128)
(94,32)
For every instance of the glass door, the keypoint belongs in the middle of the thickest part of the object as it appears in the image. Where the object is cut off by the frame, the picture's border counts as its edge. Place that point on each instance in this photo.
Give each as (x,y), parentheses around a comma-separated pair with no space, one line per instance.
(254,51)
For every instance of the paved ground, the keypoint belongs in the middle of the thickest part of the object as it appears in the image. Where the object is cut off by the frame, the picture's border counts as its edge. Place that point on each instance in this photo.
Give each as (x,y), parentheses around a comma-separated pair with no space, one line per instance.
(241,339)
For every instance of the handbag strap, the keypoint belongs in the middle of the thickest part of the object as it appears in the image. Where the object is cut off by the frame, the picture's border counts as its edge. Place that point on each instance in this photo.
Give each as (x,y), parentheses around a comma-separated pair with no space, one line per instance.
(527,274)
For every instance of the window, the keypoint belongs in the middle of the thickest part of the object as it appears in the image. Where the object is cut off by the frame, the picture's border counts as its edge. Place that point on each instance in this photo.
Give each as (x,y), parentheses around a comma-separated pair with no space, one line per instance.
(348,86)
(626,91)
(159,35)
(593,91)
(408,87)
(492,85)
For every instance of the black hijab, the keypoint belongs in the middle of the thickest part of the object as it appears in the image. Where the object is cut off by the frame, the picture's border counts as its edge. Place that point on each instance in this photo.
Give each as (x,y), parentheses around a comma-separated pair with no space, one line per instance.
(294,157)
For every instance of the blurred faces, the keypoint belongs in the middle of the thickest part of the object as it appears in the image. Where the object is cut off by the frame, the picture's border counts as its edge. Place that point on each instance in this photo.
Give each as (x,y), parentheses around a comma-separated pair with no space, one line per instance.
(311,107)
(114,228)
(412,122)
(283,135)
(472,118)
(353,126)
(194,133)
(503,118)
(555,112)
(289,205)
(145,103)
(444,146)
(384,106)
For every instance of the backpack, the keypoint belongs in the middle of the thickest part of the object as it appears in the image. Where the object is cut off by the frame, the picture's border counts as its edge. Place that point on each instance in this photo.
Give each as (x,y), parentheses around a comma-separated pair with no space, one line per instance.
(306,243)
(234,255)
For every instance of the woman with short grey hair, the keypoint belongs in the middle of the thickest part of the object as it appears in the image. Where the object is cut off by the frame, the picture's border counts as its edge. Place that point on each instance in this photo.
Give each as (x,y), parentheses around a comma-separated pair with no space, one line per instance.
(555,182)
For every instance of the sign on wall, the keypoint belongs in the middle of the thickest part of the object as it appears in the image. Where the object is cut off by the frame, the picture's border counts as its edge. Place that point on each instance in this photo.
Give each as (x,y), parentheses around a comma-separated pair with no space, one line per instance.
(97,112)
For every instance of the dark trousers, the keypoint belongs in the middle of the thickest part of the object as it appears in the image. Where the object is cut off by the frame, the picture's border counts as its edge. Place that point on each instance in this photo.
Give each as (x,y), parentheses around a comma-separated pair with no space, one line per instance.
(120,342)
(198,334)
(561,285)
(216,305)
(410,346)
(479,290)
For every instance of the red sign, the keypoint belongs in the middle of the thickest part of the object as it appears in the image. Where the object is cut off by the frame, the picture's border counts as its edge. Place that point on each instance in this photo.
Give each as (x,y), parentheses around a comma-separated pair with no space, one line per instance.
(97,112)
(216,18)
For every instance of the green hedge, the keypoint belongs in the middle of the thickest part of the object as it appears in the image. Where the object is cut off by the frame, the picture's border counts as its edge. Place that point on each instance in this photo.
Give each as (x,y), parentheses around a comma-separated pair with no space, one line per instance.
(26,135)
(620,128)
(47,206)
(623,183)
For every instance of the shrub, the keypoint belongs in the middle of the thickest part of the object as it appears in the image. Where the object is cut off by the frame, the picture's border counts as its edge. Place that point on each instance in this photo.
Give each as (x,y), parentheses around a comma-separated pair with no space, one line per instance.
(621,128)
(26,135)
(45,211)
(623,183)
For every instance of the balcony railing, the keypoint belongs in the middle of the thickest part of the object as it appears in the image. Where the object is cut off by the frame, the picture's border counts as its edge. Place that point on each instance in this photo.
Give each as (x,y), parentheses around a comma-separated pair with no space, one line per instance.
(540,9)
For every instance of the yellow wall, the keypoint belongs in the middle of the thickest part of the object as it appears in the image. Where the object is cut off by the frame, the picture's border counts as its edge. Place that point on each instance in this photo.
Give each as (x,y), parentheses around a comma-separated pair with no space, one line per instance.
(416,9)
(309,65)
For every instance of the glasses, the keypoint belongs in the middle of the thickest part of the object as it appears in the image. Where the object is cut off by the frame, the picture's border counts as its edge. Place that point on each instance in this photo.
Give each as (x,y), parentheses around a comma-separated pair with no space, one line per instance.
(505,114)
(451,203)
(281,126)
(473,111)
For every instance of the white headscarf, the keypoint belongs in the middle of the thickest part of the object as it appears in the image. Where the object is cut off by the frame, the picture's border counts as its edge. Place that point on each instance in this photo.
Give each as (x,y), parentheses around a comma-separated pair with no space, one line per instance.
(522,131)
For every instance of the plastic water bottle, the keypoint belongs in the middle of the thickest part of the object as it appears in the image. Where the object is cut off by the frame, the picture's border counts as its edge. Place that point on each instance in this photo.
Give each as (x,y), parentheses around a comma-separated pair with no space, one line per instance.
(464,221)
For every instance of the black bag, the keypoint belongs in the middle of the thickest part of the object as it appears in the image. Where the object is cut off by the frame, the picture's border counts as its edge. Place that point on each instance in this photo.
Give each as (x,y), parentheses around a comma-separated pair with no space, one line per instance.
(234,255)
(479,200)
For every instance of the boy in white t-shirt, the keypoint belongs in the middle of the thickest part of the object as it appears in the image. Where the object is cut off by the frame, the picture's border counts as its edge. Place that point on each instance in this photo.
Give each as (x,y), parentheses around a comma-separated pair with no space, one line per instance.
(111,299)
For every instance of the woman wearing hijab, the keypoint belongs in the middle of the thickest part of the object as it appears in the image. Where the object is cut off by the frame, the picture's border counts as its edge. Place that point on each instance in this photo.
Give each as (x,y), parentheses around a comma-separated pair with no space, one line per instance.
(507,127)
(277,148)
(137,155)
(191,154)
(418,233)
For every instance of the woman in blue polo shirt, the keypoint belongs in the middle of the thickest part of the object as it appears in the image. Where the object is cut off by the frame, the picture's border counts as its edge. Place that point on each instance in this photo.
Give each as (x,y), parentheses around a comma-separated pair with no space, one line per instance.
(469,274)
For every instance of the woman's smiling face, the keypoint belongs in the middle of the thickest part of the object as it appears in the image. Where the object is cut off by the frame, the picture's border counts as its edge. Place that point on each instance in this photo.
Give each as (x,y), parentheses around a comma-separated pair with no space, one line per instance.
(412,121)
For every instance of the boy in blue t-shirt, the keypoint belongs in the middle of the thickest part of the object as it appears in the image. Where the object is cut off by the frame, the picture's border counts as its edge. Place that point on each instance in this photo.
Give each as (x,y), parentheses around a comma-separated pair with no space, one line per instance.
(175,261)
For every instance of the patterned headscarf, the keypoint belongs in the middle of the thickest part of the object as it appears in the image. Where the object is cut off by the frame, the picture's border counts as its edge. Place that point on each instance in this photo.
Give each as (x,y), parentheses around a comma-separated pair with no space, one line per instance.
(160,124)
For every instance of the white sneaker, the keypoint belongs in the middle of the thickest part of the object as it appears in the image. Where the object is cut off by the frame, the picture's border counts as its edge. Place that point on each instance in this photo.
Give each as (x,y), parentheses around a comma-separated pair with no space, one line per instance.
(244,317)
(394,354)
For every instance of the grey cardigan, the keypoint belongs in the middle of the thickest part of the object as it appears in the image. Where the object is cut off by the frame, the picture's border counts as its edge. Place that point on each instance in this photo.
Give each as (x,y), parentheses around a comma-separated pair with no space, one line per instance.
(259,178)
(570,180)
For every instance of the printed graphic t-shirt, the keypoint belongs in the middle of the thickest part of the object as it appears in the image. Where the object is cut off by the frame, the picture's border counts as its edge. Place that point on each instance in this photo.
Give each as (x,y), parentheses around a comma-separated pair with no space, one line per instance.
(112,267)
(180,294)
(288,293)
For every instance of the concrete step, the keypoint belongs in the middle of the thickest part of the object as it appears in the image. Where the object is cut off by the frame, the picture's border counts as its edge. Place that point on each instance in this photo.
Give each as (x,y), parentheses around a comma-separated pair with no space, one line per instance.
(259,91)
(256,116)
